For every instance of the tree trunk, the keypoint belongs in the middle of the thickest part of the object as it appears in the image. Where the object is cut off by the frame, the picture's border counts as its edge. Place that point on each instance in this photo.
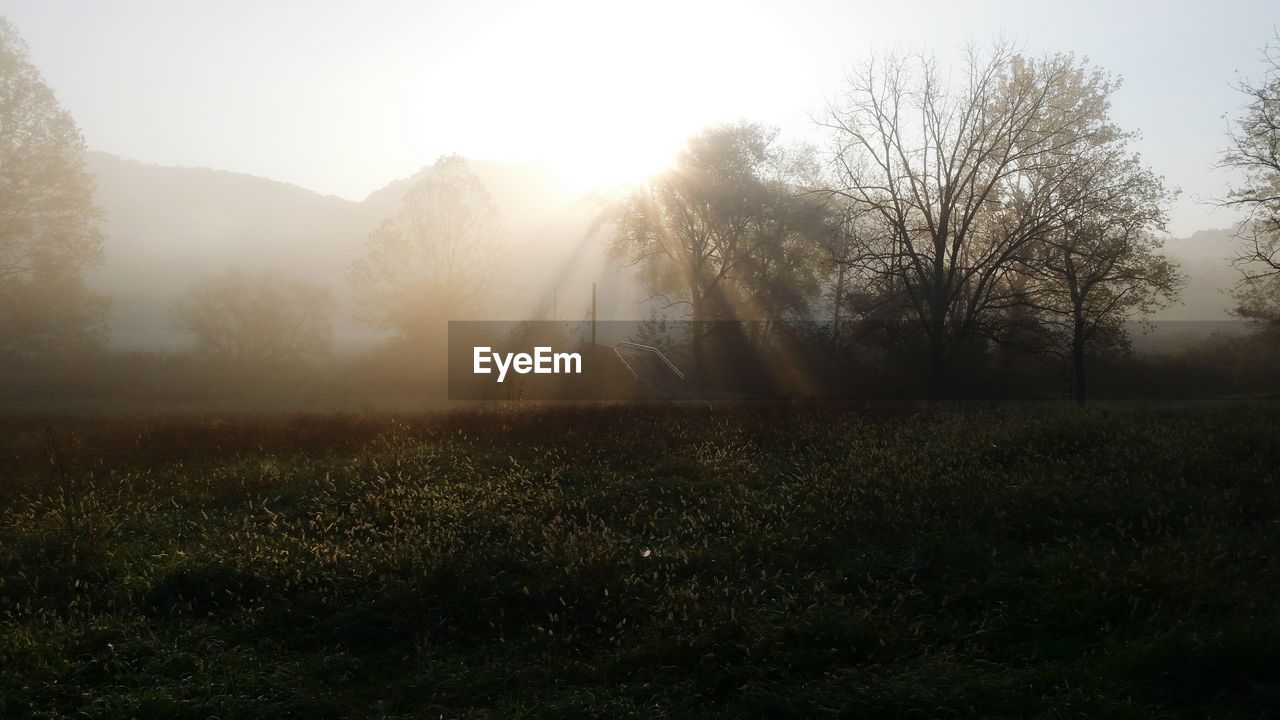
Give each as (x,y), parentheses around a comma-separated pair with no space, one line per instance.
(937,360)
(835,305)
(1077,363)
(938,307)
(696,333)
(1078,328)
(937,341)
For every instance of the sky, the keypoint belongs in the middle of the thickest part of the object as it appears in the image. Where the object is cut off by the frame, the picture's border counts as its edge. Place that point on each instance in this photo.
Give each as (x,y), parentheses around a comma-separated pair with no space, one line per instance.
(343,97)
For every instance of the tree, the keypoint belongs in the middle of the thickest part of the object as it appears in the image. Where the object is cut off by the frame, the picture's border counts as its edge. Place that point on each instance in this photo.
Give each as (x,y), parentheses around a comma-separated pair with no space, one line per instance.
(260,318)
(723,231)
(781,274)
(853,231)
(1255,150)
(963,180)
(1103,265)
(1259,301)
(434,260)
(48,222)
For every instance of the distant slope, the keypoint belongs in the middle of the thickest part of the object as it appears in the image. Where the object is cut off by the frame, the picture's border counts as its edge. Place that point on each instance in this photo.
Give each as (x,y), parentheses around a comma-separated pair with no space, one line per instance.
(168,227)
(1205,307)
(1204,258)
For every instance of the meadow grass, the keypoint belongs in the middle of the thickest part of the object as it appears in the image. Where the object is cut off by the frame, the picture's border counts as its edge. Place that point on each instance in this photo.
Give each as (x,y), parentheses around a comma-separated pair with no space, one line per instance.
(1119,562)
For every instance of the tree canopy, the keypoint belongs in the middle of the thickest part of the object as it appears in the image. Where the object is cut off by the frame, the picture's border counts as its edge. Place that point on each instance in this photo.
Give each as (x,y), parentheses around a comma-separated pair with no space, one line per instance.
(437,259)
(48,221)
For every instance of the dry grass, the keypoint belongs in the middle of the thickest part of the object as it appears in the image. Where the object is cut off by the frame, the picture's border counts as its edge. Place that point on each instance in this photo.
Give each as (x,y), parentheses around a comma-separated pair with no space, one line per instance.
(644,562)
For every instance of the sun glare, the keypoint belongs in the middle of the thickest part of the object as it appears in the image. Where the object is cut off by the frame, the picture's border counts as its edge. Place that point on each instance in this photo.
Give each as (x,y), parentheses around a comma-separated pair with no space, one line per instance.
(604,93)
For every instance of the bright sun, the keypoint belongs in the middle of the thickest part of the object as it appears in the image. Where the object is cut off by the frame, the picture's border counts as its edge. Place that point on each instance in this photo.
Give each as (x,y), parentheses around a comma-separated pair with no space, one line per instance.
(604,93)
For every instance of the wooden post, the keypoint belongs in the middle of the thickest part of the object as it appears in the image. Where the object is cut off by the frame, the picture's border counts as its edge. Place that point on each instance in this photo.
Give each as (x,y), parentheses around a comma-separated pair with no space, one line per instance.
(593,313)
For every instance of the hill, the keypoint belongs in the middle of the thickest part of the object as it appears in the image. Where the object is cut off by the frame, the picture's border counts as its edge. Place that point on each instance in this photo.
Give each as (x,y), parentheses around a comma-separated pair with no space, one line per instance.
(168,227)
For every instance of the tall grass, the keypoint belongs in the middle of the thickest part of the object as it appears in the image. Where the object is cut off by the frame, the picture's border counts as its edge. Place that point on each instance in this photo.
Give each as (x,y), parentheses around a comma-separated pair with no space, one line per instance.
(645,562)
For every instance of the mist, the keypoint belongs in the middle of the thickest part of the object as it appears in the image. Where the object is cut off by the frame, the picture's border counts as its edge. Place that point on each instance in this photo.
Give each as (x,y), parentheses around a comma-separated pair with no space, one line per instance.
(206,286)
(665,360)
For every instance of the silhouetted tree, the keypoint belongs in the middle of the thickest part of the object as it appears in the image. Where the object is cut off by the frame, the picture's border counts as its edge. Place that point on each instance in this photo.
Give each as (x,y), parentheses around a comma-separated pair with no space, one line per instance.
(48,222)
(853,232)
(1103,265)
(721,231)
(1255,149)
(783,274)
(257,318)
(436,260)
(964,179)
(780,278)
(1259,300)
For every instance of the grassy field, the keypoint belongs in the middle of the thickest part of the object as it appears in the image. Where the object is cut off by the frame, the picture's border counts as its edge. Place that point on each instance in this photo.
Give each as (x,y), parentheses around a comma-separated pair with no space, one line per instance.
(1119,562)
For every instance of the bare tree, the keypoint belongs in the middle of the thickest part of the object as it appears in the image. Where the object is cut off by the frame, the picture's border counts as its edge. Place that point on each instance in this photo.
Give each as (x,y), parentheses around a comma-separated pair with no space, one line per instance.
(1255,149)
(437,259)
(849,250)
(48,221)
(257,318)
(964,179)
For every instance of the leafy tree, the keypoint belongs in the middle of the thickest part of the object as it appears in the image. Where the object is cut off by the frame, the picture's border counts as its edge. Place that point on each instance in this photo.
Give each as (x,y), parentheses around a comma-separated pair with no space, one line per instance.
(434,260)
(48,222)
(723,231)
(257,318)
(783,274)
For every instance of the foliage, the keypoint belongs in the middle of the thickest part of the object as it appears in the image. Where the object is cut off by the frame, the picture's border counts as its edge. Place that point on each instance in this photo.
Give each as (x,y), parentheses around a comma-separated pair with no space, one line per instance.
(48,222)
(437,259)
(257,318)
(725,231)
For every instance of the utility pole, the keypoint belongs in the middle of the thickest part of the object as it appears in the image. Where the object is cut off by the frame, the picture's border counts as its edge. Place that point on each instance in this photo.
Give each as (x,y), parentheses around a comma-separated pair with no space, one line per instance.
(593,313)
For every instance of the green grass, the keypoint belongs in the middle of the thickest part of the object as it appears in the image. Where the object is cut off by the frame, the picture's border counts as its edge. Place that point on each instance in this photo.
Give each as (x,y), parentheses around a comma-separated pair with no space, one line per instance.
(645,562)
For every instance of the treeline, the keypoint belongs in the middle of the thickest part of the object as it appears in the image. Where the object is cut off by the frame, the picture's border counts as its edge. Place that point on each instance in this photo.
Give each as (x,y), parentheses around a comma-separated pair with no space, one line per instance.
(960,213)
(982,227)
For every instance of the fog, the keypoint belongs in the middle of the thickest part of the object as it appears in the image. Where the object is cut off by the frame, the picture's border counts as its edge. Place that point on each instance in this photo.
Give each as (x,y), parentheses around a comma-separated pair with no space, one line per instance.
(300,191)
(170,227)
(677,359)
